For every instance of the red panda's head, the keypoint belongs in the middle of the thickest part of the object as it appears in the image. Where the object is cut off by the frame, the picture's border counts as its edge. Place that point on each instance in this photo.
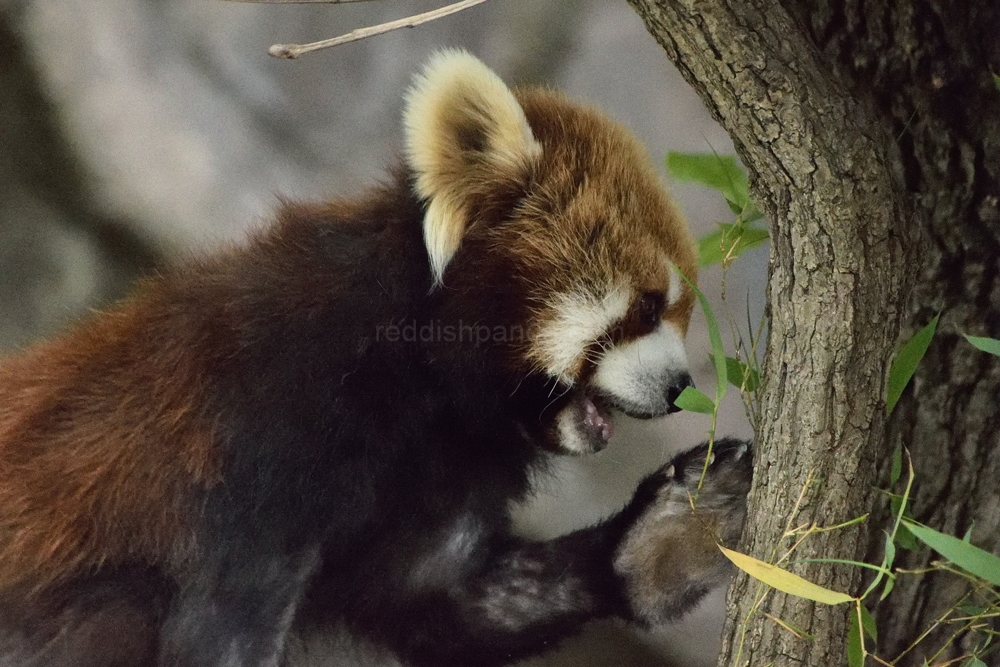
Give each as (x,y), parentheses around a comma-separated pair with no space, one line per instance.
(549,216)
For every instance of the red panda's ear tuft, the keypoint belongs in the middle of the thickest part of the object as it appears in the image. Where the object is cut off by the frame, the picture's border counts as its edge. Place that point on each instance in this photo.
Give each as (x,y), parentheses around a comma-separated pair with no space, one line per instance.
(464,128)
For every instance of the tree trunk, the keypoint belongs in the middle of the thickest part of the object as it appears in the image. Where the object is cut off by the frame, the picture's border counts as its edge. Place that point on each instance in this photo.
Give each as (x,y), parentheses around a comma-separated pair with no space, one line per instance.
(839,277)
(921,72)
(924,68)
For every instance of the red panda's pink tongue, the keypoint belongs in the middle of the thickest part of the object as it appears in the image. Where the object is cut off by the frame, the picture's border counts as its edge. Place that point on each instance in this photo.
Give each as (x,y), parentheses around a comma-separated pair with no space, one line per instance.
(594,420)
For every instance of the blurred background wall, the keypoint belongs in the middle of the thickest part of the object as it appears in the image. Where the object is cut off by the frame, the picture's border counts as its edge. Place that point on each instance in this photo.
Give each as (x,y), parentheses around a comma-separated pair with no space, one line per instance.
(136,132)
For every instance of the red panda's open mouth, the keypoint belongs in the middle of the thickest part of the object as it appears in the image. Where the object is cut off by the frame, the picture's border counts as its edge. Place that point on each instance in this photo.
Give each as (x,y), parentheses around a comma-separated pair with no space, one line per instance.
(595,419)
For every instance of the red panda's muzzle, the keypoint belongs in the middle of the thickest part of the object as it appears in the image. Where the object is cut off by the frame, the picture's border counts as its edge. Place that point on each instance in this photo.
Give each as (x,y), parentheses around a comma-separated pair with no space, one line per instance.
(595,421)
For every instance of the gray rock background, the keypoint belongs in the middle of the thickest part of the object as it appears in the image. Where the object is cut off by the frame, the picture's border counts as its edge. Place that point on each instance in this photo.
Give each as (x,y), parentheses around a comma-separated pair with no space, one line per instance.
(135,132)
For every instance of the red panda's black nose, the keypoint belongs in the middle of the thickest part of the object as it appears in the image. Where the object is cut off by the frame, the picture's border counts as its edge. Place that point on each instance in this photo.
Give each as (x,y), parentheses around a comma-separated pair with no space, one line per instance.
(674,390)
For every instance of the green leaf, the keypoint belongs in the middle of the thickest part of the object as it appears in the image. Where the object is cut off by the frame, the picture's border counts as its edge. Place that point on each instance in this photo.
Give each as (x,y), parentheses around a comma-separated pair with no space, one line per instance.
(972,559)
(887,558)
(693,400)
(991,345)
(996,81)
(897,466)
(728,242)
(895,503)
(741,375)
(968,533)
(855,652)
(719,172)
(889,585)
(905,363)
(750,214)
(905,539)
(718,354)
(783,580)
(973,662)
(890,553)
(711,247)
(868,623)
(972,609)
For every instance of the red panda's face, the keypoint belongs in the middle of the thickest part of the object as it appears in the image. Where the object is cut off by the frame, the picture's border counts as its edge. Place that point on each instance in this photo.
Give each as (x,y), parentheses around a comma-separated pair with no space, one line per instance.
(560,211)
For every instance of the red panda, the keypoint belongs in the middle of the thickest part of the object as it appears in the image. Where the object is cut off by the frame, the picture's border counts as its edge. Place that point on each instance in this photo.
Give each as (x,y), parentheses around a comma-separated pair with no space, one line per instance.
(325,427)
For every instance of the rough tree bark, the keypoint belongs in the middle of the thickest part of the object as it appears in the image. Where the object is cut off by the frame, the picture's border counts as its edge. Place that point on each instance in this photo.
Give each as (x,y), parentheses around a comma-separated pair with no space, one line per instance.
(838,280)
(894,99)
(925,68)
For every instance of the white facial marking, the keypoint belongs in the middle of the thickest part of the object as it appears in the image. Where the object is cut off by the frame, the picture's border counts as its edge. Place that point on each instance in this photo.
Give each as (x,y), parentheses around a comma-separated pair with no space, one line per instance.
(637,373)
(569,432)
(580,318)
(676,284)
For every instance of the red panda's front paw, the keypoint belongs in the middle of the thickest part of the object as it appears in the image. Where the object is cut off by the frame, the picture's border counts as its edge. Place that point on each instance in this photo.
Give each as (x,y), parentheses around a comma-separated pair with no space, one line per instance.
(669,556)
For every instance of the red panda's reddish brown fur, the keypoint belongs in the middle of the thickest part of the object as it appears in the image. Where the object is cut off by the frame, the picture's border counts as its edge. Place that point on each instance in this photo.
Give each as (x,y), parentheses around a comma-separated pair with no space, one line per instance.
(102,440)
(108,433)
(252,452)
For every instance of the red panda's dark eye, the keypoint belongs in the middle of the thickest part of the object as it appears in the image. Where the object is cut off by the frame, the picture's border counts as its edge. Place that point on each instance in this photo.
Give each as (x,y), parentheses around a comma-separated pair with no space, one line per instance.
(651,307)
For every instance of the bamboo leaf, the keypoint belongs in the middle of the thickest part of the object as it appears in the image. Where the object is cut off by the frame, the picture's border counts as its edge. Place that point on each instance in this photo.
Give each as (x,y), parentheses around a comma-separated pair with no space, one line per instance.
(728,242)
(752,237)
(906,539)
(693,400)
(974,661)
(783,580)
(750,214)
(887,558)
(741,375)
(991,345)
(719,172)
(889,585)
(897,466)
(887,561)
(710,247)
(868,623)
(855,652)
(906,361)
(746,377)
(718,354)
(972,559)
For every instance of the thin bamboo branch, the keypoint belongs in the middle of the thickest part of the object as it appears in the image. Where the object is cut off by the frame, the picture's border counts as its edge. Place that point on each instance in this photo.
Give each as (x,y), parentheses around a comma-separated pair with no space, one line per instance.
(298,2)
(292,51)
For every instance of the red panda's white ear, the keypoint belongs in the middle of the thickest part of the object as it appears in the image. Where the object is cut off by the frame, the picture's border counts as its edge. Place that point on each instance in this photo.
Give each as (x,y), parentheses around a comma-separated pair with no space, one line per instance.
(464,129)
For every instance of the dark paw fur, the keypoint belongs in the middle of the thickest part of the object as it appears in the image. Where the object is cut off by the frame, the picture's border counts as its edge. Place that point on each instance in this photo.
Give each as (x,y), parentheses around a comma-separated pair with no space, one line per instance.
(669,556)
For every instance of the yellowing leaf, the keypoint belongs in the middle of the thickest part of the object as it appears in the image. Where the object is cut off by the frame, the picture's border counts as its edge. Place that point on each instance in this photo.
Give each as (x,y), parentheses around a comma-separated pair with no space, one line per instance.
(783,580)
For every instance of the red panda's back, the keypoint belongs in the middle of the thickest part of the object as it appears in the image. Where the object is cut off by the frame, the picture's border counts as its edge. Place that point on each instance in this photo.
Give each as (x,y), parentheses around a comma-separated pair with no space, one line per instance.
(101,442)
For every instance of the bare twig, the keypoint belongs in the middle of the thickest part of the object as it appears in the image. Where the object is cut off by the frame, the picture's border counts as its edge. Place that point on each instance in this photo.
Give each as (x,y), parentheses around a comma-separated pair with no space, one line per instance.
(299,2)
(296,50)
